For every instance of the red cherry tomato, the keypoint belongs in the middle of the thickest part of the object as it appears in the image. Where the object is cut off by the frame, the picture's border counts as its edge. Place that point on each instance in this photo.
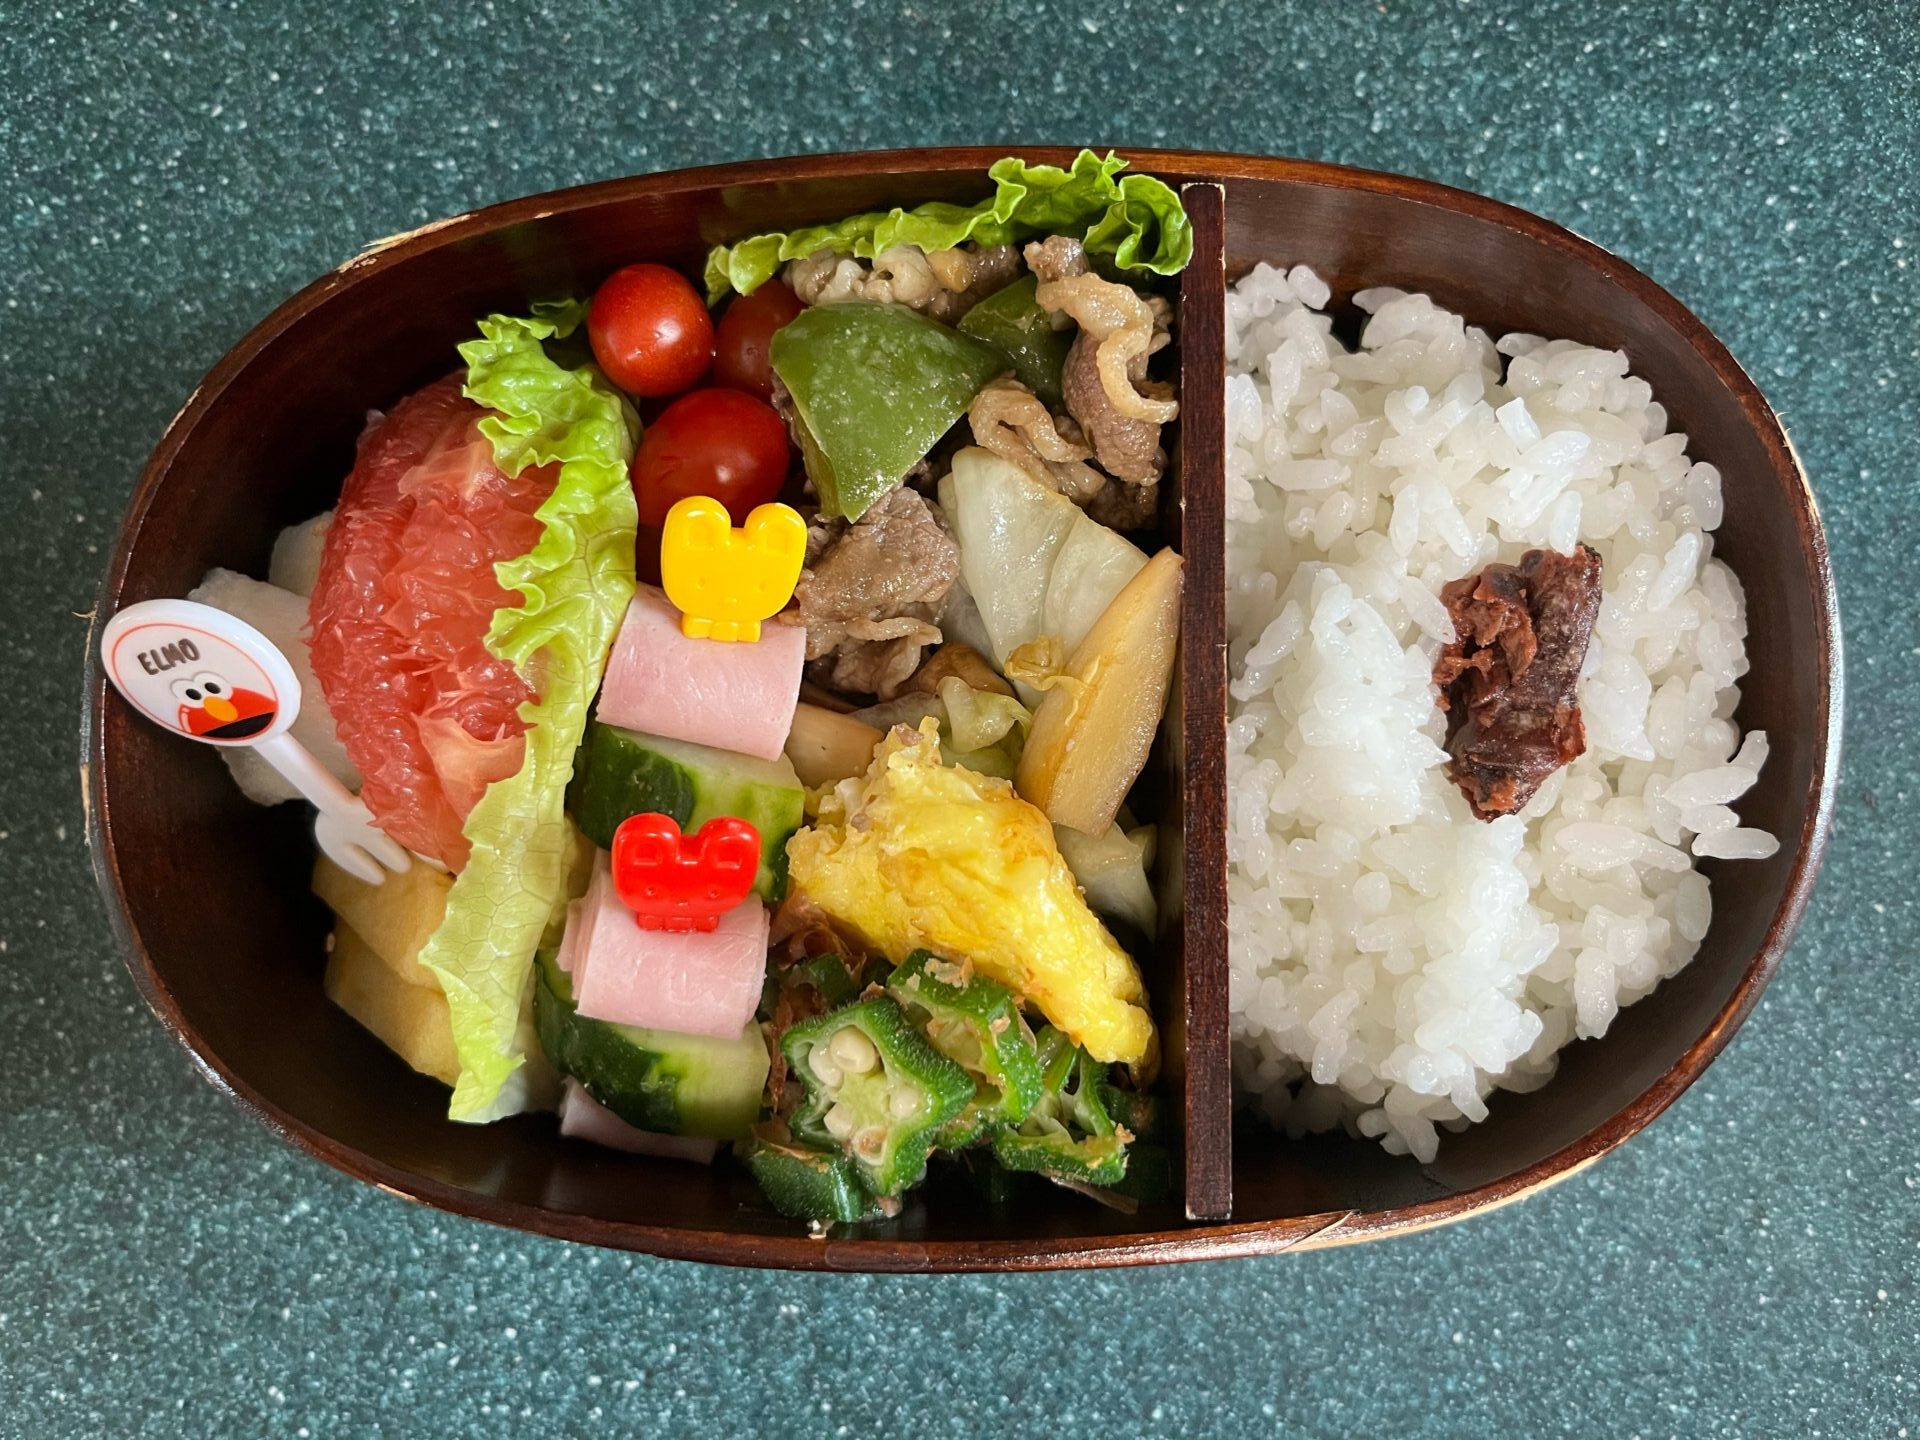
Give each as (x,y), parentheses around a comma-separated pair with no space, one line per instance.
(740,348)
(649,331)
(721,443)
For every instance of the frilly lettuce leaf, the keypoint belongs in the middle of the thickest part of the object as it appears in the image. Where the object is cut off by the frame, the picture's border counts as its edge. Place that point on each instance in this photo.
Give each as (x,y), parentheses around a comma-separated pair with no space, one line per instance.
(574,587)
(1135,221)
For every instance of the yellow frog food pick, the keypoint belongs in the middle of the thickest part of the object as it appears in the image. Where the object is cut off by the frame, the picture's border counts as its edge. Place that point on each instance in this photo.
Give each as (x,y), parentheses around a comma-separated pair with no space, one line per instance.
(726,581)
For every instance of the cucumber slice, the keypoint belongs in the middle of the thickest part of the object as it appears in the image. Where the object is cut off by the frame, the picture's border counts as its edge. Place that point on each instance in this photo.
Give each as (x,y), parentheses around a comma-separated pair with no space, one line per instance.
(653,1079)
(620,773)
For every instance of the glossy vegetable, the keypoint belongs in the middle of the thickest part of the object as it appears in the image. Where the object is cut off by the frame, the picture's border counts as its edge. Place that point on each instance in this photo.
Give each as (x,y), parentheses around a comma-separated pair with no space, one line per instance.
(1133,220)
(976,1023)
(656,1080)
(803,1183)
(573,587)
(1068,1135)
(745,333)
(1033,561)
(875,1088)
(649,331)
(719,443)
(922,855)
(980,729)
(874,386)
(619,773)
(825,747)
(1112,870)
(1091,734)
(1012,322)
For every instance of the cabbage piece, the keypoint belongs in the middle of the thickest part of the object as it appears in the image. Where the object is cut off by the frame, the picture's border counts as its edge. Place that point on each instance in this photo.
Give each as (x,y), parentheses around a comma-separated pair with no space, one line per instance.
(1112,870)
(979,729)
(573,587)
(1032,561)
(1134,221)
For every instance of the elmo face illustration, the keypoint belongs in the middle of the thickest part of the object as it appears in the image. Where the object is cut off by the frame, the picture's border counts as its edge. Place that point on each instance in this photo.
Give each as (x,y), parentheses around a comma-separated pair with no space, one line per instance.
(213,709)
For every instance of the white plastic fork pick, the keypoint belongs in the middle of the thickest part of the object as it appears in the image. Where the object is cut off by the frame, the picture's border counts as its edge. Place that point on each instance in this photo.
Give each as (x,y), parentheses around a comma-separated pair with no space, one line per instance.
(207,676)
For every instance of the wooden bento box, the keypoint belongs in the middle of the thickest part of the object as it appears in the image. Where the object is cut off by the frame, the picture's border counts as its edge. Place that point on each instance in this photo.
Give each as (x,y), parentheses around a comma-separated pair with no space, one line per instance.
(209,894)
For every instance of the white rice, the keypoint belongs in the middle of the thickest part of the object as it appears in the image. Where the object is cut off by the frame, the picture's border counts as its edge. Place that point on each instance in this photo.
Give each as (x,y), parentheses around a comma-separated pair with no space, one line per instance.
(1394,960)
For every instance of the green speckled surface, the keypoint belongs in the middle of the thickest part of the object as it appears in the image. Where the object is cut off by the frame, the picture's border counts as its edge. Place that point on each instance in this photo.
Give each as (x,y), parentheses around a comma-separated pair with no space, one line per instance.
(1747,1267)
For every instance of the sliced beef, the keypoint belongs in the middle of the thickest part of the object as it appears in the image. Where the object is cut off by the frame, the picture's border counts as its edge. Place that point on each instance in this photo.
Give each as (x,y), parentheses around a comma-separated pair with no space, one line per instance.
(1507,681)
(1126,447)
(871,590)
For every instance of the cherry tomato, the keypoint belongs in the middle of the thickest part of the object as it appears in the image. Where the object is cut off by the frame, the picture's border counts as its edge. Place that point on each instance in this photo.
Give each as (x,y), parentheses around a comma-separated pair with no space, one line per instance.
(721,443)
(740,350)
(649,330)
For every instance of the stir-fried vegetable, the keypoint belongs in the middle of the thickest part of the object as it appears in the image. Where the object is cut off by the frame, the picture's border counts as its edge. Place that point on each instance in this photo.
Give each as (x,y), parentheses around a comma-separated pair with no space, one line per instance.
(1033,561)
(807,1184)
(1091,734)
(976,1023)
(875,1088)
(1012,322)
(1069,1135)
(874,386)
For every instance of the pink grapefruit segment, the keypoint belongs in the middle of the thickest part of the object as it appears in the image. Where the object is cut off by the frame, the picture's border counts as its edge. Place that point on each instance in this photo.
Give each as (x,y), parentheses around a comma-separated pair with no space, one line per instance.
(400,612)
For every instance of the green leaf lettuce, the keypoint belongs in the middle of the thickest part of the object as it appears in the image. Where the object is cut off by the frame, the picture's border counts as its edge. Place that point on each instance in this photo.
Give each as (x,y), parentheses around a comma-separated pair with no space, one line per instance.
(1135,221)
(574,586)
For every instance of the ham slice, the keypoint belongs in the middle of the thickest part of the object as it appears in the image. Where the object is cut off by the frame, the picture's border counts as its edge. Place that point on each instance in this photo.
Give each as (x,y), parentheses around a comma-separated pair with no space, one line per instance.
(731,695)
(701,983)
(585,1118)
(574,937)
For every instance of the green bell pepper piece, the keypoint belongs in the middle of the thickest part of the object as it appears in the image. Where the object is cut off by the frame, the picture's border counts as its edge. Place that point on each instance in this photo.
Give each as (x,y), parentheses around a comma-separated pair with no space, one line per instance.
(976,1023)
(1069,1135)
(806,1184)
(1013,323)
(875,387)
(874,1088)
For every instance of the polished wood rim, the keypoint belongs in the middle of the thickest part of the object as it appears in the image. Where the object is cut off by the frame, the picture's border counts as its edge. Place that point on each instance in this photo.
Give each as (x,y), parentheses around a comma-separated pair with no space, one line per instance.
(1200,1241)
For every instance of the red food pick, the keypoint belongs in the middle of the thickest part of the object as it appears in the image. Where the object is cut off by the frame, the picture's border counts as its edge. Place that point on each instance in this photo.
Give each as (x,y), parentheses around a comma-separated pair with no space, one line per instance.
(683,882)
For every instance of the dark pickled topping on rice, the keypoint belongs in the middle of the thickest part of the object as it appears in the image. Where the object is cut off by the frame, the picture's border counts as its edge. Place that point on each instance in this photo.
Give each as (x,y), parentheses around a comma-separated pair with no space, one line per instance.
(1507,680)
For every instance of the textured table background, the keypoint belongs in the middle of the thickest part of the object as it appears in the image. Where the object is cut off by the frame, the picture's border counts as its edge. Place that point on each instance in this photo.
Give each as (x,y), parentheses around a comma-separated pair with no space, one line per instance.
(1748,1267)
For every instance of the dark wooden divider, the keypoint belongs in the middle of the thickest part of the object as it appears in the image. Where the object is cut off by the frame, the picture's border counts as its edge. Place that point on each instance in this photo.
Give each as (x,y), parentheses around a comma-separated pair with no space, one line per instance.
(1199,1033)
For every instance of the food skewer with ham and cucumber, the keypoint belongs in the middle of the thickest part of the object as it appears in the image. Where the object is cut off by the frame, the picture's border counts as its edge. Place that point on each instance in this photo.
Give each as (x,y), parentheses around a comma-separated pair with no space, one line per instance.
(905,463)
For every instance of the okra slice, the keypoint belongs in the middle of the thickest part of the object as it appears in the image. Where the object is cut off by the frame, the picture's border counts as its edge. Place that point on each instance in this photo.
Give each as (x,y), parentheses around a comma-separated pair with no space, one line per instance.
(875,1089)
(976,1023)
(1093,1160)
(1142,1114)
(807,1184)
(827,974)
(1068,1135)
